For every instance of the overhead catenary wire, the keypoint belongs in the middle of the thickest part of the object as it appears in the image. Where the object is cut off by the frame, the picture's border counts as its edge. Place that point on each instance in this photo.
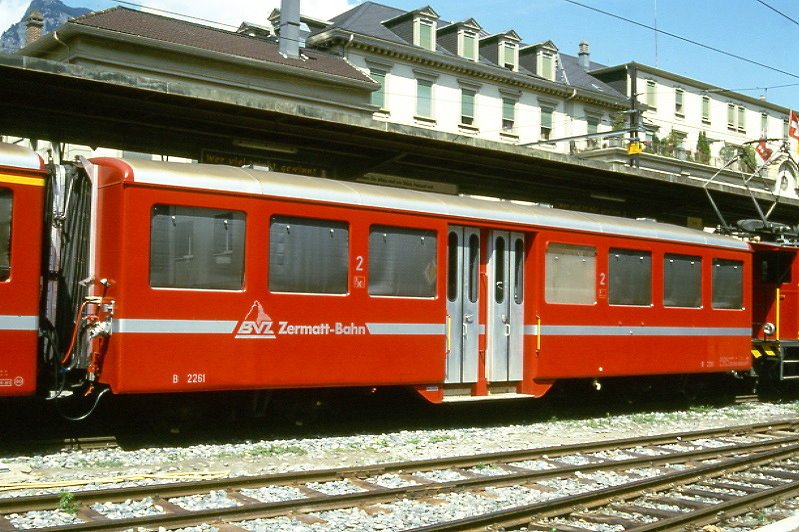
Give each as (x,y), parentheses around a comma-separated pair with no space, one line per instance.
(684,39)
(778,11)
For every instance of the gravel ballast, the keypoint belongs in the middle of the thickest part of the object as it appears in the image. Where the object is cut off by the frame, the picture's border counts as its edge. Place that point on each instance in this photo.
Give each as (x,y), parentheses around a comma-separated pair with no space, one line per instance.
(92,469)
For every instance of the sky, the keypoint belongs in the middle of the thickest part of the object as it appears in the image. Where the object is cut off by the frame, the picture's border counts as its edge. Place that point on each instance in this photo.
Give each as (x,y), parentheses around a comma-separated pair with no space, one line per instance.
(748,46)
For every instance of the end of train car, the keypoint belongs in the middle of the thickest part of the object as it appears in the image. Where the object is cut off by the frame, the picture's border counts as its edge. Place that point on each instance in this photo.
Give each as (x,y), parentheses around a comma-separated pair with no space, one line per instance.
(775,311)
(22,197)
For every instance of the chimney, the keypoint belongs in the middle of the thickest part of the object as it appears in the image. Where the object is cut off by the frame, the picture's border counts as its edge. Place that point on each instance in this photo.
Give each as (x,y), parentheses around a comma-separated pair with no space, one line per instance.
(289,31)
(33,27)
(584,56)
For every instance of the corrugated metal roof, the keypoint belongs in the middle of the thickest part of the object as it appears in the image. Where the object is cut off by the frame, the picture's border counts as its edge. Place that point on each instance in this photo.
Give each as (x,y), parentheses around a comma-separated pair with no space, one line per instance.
(276,184)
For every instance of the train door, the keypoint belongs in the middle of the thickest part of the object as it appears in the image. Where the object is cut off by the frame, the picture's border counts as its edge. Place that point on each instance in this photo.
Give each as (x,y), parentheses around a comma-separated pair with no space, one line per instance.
(463,294)
(505,330)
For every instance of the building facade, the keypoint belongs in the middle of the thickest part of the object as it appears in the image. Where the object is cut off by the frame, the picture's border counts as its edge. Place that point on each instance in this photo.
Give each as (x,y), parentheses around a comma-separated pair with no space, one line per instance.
(695,122)
(460,78)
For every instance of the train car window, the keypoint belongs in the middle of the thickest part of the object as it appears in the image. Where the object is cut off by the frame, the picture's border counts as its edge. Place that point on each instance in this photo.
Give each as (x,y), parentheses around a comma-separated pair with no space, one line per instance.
(570,274)
(308,255)
(193,247)
(682,281)
(727,284)
(499,269)
(6,200)
(518,288)
(629,277)
(402,262)
(474,267)
(452,267)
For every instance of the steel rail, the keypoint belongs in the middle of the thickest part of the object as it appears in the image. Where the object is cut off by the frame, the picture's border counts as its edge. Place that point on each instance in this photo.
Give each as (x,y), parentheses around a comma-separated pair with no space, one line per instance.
(254,509)
(523,515)
(724,510)
(176,489)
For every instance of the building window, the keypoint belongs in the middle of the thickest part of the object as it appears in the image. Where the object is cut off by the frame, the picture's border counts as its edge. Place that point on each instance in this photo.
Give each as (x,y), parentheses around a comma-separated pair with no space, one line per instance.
(425,32)
(629,277)
(192,247)
(680,139)
(507,54)
(308,256)
(467,106)
(706,109)
(547,65)
(469,45)
(402,262)
(764,124)
(682,281)
(379,96)
(727,284)
(651,94)
(6,201)
(546,123)
(508,114)
(592,123)
(424,98)
(570,274)
(741,119)
(731,117)
(678,102)
(785,128)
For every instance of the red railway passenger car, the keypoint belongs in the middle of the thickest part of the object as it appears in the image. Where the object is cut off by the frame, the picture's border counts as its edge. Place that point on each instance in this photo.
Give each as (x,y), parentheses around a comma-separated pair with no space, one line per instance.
(224,278)
(22,180)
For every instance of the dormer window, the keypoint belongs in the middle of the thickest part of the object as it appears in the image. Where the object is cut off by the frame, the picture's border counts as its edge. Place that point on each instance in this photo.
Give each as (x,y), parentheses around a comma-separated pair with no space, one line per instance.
(502,49)
(546,63)
(416,27)
(468,45)
(509,55)
(542,59)
(424,30)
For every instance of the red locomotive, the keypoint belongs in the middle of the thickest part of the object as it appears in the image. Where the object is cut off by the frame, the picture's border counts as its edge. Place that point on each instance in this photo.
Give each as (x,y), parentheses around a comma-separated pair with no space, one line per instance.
(178,278)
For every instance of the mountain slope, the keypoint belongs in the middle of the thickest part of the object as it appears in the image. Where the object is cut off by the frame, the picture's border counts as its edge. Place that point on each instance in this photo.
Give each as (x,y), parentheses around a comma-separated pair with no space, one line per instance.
(54,12)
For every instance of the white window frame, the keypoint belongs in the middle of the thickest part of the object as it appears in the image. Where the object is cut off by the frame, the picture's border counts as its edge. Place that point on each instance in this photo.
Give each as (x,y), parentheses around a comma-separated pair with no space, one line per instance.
(418,23)
(513,48)
(463,36)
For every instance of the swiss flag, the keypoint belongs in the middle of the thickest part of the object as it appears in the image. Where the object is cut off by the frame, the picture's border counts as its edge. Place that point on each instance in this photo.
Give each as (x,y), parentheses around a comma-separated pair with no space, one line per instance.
(793,126)
(763,151)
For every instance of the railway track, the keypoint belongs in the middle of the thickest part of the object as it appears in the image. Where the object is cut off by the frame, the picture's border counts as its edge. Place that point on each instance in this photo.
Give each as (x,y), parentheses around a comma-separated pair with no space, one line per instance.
(77,443)
(602,481)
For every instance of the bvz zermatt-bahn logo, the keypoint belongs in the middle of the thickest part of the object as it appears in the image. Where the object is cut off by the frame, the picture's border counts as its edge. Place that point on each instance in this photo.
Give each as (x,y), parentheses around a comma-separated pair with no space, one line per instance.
(258,325)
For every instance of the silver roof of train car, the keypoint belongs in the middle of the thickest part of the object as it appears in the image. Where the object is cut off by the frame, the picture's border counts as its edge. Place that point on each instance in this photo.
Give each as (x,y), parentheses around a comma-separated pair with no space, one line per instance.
(13,156)
(267,183)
